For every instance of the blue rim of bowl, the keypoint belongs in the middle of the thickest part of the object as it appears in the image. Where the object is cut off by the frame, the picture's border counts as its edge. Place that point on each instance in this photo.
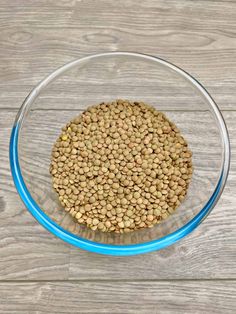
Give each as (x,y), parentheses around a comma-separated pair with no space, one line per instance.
(101,248)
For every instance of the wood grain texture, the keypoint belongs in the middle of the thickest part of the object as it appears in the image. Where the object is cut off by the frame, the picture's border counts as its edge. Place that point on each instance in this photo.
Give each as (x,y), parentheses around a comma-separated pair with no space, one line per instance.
(30,252)
(167,297)
(37,37)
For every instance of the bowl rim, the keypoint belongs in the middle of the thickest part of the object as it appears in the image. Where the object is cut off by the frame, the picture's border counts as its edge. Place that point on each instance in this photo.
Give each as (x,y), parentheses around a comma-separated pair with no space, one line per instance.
(102,248)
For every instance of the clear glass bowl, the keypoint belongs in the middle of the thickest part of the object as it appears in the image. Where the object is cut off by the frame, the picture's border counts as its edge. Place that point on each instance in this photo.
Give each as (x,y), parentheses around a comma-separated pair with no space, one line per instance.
(105,77)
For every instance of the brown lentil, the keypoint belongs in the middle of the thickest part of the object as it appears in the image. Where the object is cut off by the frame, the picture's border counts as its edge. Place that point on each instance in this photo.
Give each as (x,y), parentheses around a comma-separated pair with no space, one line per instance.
(120,166)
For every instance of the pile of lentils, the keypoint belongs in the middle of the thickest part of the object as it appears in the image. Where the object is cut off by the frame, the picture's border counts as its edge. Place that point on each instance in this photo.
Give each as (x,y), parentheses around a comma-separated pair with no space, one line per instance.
(120,166)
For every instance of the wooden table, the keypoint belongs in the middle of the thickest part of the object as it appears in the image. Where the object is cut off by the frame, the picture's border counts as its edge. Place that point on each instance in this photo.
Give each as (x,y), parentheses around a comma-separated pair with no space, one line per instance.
(41,274)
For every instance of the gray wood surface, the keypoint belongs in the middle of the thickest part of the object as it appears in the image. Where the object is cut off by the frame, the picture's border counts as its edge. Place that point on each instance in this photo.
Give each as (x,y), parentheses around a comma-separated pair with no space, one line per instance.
(118,297)
(39,36)
(41,274)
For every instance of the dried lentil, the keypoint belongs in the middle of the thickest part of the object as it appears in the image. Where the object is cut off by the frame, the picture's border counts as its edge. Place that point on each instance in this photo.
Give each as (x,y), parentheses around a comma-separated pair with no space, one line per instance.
(121,166)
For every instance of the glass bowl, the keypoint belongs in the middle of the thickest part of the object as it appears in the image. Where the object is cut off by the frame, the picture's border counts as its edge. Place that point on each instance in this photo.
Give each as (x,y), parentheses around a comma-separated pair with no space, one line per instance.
(105,77)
